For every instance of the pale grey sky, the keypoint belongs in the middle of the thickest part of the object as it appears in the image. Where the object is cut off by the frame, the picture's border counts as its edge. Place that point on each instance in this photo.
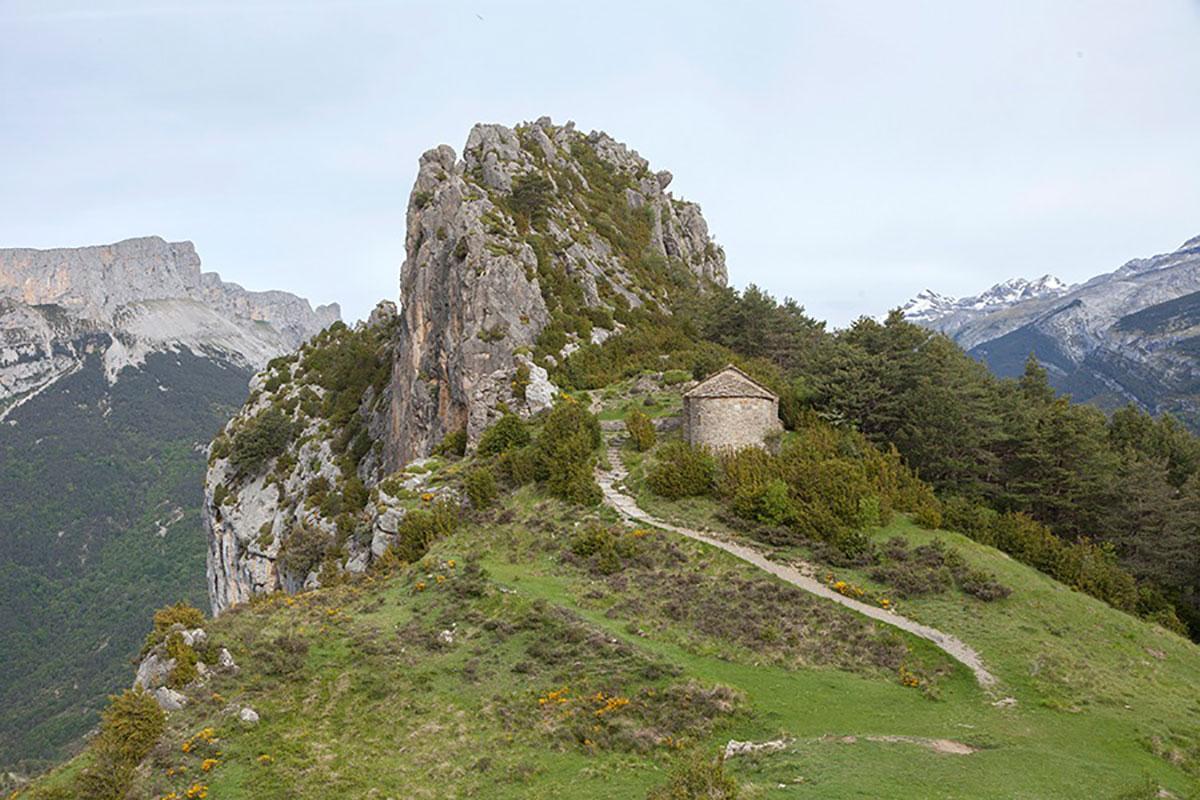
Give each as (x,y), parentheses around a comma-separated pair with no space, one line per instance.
(845,153)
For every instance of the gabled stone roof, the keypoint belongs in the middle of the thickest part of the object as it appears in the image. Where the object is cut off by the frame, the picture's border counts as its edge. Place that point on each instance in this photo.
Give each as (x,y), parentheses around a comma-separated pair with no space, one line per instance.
(730,382)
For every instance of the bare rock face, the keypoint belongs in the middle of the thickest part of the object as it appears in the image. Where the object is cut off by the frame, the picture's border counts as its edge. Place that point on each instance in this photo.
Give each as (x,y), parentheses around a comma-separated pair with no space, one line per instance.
(319,503)
(536,228)
(127,300)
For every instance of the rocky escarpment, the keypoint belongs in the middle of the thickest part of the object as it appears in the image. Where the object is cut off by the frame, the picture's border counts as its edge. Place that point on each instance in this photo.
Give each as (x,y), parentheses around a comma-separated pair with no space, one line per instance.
(1132,335)
(296,492)
(538,239)
(127,300)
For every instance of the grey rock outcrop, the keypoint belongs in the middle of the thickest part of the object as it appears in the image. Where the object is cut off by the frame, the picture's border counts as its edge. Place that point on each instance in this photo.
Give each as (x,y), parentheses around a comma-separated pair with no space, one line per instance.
(152,672)
(169,699)
(530,229)
(255,520)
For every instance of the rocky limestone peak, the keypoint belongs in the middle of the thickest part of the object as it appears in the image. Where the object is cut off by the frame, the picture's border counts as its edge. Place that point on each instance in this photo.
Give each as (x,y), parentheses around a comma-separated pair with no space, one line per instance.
(94,282)
(531,244)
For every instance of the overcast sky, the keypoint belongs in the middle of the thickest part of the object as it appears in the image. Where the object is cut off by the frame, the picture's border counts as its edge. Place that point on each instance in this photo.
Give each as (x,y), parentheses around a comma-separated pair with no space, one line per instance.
(847,154)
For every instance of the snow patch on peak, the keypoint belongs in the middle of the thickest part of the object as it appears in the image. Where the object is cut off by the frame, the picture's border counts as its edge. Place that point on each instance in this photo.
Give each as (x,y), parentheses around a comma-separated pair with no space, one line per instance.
(928,304)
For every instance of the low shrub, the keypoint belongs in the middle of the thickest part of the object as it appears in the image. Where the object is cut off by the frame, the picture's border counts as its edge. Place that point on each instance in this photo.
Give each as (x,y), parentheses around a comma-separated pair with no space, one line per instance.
(480,487)
(606,550)
(281,656)
(673,377)
(933,568)
(983,586)
(681,470)
(260,439)
(506,433)
(697,777)
(641,430)
(911,579)
(129,729)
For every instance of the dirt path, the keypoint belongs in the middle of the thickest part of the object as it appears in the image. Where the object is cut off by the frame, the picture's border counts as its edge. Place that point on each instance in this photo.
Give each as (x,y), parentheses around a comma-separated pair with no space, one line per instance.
(628,508)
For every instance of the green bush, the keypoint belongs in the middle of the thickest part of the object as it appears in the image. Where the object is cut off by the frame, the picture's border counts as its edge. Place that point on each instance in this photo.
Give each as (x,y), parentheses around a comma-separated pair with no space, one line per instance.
(303,550)
(681,470)
(774,505)
(745,474)
(520,381)
(517,467)
(165,618)
(260,439)
(641,430)
(354,495)
(129,729)
(673,377)
(480,487)
(506,433)
(564,453)
(422,527)
(454,444)
(697,777)
(185,670)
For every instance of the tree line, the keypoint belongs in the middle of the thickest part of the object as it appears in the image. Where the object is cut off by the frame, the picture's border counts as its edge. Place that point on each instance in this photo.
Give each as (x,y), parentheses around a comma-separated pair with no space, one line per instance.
(1128,483)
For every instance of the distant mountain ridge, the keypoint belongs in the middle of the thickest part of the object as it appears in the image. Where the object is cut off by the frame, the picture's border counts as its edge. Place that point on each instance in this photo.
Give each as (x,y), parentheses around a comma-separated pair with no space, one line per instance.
(129,299)
(1127,336)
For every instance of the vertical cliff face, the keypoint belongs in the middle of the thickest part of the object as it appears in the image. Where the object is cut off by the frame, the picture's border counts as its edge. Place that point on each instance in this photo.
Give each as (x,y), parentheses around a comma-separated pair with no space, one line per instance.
(522,249)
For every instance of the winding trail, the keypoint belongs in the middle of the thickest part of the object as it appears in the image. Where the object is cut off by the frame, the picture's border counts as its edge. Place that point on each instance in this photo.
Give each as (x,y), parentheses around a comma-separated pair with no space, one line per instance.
(628,508)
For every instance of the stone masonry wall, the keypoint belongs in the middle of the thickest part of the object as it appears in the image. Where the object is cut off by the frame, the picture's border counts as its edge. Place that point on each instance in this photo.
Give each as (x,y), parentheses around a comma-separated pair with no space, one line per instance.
(730,423)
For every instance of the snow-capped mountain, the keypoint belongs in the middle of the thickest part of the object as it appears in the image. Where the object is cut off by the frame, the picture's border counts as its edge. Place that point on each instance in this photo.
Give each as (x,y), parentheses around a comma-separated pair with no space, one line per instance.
(1131,335)
(929,306)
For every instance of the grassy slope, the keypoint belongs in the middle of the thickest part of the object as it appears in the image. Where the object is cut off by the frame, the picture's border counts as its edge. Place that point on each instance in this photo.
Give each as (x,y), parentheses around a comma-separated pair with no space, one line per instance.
(376,710)
(1104,700)
(377,707)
